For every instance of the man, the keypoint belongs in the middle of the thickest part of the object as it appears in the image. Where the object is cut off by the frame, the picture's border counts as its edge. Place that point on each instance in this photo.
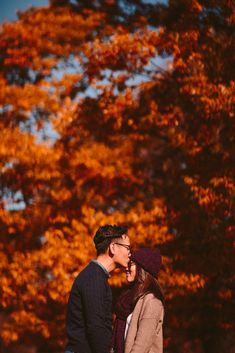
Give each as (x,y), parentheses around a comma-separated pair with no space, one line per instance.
(89,315)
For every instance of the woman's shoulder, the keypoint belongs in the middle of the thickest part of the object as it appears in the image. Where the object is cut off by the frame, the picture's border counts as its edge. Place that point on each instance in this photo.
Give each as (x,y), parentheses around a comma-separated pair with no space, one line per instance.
(148,306)
(150,298)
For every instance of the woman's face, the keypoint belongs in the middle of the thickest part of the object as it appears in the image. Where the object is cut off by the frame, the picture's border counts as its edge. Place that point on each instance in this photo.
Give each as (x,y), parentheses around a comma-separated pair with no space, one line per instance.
(131,272)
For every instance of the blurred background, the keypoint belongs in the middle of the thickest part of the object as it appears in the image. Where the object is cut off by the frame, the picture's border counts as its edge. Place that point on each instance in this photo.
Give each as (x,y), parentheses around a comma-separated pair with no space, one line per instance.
(10,8)
(118,112)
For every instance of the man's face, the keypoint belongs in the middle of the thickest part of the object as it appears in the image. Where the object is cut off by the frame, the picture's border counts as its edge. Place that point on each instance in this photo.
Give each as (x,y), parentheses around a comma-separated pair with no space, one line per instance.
(121,251)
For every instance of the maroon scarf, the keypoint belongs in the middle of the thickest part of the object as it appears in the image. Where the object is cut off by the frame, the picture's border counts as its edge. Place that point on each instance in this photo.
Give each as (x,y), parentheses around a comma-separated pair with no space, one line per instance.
(123,308)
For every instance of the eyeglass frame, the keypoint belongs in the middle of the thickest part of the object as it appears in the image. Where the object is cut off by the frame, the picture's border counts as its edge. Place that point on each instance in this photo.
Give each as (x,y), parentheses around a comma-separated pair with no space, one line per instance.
(128,247)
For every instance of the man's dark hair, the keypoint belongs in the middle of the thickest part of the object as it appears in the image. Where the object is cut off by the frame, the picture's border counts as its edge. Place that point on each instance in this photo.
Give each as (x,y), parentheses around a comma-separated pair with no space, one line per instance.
(105,234)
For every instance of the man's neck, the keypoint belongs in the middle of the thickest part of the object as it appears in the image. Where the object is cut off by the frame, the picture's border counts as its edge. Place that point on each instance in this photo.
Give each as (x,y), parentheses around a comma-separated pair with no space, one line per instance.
(107,262)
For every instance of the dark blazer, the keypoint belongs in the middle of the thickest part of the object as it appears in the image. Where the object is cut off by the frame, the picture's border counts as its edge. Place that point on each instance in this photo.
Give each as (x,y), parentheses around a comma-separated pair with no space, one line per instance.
(89,313)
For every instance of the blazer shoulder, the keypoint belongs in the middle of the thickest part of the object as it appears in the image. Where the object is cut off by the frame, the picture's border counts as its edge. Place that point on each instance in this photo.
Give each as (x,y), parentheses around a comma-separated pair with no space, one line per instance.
(150,298)
(149,306)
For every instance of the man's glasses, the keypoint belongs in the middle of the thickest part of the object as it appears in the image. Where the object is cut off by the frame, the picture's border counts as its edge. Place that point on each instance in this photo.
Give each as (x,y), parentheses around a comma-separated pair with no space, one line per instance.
(128,247)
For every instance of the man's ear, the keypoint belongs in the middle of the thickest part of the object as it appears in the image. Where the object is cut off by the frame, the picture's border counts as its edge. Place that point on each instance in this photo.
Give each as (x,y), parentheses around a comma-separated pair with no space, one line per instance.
(111,249)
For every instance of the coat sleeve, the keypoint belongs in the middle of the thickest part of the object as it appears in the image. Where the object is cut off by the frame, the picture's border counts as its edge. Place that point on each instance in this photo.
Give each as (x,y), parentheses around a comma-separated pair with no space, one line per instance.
(147,326)
(99,331)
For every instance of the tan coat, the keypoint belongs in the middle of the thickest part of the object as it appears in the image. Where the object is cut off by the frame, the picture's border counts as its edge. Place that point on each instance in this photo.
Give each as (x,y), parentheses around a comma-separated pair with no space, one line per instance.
(145,331)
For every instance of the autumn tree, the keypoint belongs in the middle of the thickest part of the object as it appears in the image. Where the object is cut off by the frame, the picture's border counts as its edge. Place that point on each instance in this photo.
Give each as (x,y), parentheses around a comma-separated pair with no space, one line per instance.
(118,112)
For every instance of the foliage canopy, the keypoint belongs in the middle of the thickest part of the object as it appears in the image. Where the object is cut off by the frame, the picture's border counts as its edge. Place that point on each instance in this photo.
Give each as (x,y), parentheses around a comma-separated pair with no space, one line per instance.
(118,112)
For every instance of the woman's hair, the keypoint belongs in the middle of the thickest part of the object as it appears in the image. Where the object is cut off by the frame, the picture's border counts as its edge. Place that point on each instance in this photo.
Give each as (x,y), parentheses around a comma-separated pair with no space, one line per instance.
(146,283)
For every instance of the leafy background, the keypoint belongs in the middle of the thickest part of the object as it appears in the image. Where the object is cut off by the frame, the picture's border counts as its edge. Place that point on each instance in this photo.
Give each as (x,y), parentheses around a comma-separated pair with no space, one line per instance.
(118,112)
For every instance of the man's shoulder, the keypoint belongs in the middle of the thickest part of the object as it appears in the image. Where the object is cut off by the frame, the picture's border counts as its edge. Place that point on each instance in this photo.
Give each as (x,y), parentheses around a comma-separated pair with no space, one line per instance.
(91,278)
(90,271)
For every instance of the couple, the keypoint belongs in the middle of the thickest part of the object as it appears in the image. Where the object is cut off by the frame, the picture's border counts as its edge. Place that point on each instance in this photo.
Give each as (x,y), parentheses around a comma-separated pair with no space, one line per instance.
(139,311)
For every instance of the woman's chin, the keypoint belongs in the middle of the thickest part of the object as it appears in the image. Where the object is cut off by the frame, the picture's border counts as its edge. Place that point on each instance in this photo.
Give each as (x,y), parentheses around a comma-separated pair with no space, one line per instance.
(129,280)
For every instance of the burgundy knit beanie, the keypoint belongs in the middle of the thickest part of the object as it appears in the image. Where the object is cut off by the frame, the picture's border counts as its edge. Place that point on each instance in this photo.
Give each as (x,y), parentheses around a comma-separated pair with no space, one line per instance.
(149,259)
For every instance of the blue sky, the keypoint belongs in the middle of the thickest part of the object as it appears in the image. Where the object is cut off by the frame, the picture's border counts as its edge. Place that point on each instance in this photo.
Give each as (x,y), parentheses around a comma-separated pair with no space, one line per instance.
(8,8)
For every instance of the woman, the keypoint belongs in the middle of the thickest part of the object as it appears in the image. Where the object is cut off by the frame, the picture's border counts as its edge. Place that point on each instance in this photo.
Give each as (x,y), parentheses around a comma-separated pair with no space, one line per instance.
(140,310)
